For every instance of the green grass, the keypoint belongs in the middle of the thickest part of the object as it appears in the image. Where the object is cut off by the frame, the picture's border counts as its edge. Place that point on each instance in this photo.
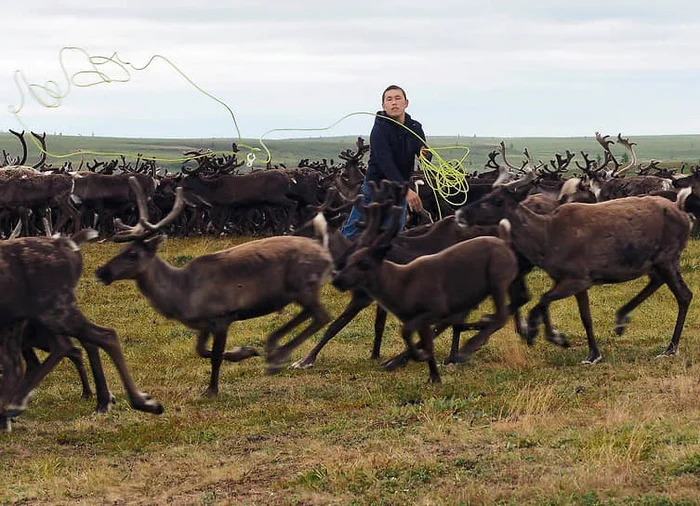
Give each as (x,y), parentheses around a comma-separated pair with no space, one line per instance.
(515,425)
(672,150)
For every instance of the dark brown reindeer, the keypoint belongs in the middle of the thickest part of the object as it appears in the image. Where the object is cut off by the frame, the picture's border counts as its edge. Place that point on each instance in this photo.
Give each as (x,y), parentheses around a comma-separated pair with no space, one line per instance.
(38,276)
(405,247)
(38,337)
(212,291)
(581,245)
(457,280)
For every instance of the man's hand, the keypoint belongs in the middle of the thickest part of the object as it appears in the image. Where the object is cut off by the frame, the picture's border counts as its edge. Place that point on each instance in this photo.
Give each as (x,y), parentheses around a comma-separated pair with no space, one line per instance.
(426,153)
(413,201)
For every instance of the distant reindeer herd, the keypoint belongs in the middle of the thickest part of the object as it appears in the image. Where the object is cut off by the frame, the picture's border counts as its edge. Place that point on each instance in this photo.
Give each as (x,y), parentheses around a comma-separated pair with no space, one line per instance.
(600,225)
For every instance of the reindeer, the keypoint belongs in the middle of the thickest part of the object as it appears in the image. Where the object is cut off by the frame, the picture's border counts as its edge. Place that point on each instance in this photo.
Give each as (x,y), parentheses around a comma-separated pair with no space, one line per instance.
(212,291)
(610,184)
(581,245)
(458,279)
(38,276)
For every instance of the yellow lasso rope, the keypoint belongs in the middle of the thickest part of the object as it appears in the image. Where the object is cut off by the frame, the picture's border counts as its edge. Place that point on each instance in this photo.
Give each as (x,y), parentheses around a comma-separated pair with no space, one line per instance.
(447,179)
(96,76)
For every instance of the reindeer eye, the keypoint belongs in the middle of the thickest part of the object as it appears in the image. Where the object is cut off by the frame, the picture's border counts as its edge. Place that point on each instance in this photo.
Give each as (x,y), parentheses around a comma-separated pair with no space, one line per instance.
(363,264)
(132,255)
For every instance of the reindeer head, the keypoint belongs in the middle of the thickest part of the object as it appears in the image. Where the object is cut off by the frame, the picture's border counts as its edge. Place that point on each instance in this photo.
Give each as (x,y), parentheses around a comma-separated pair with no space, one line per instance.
(144,238)
(373,245)
(491,208)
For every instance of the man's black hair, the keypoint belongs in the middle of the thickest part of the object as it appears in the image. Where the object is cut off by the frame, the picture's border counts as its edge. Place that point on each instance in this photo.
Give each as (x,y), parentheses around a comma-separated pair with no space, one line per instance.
(393,87)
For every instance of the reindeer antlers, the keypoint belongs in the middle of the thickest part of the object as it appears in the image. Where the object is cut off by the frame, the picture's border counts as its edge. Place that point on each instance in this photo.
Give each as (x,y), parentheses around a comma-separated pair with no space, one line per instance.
(143,228)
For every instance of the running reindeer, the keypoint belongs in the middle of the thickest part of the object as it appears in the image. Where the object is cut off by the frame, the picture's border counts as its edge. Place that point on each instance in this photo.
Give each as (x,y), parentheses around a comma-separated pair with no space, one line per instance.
(212,291)
(458,278)
(38,277)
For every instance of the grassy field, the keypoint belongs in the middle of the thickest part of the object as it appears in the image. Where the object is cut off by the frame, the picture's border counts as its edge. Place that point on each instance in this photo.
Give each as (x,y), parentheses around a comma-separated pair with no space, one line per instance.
(515,425)
(671,150)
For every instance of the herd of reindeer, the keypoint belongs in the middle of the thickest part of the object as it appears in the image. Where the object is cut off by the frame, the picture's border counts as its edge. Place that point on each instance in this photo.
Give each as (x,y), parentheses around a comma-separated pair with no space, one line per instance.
(597,225)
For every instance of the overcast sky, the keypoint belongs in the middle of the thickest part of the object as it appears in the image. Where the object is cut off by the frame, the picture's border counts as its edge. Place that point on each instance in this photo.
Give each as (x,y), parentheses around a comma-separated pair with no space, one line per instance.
(485,68)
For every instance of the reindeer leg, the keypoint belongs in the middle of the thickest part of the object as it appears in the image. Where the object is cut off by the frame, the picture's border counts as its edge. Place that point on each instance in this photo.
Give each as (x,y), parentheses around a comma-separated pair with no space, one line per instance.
(672,276)
(70,321)
(319,320)
(454,348)
(426,340)
(271,348)
(104,397)
(402,358)
(18,400)
(12,370)
(238,354)
(519,296)
(622,316)
(563,288)
(76,356)
(217,356)
(358,302)
(379,324)
(584,309)
(492,324)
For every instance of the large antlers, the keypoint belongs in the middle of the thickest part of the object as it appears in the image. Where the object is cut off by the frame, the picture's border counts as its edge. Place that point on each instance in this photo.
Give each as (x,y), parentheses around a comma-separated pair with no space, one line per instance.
(628,145)
(144,229)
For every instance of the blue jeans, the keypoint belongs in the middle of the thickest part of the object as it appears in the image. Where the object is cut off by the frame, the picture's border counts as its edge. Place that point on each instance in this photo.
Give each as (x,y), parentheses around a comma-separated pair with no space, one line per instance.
(350,230)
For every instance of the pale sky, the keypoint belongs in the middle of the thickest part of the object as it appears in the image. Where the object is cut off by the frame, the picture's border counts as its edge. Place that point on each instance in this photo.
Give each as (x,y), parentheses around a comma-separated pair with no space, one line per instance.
(486,68)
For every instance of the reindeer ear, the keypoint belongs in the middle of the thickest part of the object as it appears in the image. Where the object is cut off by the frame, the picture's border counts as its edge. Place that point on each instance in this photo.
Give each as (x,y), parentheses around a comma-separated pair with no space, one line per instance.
(381,251)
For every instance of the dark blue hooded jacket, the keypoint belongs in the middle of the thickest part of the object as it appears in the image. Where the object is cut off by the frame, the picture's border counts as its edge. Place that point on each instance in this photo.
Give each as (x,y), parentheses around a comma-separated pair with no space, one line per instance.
(393,149)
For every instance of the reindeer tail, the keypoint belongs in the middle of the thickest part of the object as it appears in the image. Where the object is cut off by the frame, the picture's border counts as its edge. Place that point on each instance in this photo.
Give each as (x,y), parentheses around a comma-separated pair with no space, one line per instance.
(504,231)
(682,196)
(321,229)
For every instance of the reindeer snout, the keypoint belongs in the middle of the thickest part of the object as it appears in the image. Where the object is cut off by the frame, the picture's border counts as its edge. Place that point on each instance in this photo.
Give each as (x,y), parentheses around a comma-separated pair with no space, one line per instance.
(104,276)
(338,281)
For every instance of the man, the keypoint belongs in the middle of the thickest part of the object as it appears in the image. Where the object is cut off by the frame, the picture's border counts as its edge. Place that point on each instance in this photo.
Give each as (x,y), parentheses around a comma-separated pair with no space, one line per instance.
(393,151)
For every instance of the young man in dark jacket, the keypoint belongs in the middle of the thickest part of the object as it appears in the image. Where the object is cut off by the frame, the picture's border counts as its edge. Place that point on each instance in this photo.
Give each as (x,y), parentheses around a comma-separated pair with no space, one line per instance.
(393,152)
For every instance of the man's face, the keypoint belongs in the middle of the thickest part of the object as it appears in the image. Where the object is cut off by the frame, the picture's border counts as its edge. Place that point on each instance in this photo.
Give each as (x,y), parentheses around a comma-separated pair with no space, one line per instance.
(395,104)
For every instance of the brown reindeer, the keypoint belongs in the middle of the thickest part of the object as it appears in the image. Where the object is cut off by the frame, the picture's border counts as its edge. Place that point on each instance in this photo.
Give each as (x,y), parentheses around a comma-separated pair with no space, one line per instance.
(38,276)
(581,245)
(212,291)
(434,290)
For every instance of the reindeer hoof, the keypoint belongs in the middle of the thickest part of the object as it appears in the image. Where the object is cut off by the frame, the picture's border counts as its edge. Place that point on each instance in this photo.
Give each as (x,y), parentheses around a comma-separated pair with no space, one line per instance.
(620,324)
(668,352)
(592,359)
(273,369)
(5,424)
(461,357)
(210,393)
(450,361)
(153,406)
(530,334)
(558,338)
(240,353)
(304,363)
(394,363)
